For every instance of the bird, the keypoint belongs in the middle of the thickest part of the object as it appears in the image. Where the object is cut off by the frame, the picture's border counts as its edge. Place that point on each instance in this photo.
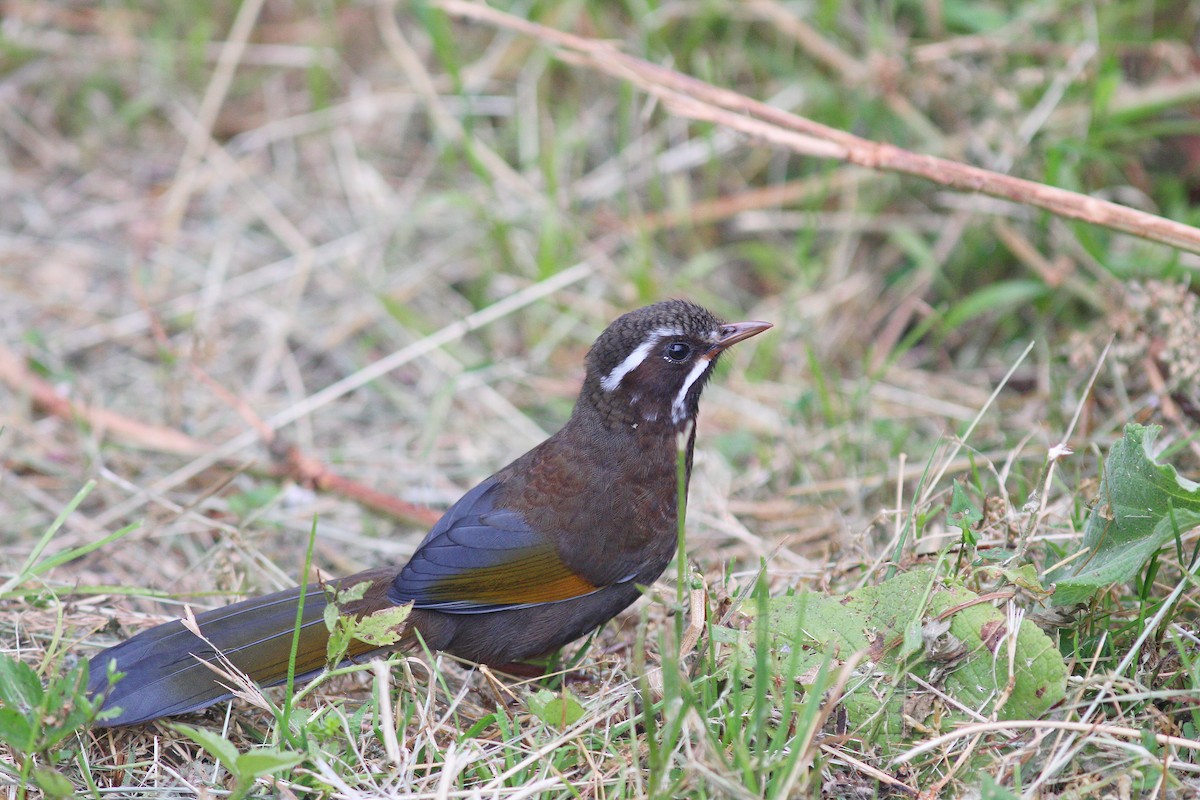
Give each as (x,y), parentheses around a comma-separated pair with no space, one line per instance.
(544,551)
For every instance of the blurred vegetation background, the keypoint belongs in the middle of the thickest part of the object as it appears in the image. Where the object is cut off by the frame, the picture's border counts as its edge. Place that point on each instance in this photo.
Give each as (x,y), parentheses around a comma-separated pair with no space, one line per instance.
(210,213)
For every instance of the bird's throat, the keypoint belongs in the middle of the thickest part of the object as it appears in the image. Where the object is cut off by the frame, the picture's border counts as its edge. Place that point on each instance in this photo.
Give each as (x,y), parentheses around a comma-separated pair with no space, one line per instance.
(642,415)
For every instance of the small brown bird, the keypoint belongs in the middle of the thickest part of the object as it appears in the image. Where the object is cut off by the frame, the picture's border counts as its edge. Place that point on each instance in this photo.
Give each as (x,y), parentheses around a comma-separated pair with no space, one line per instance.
(544,551)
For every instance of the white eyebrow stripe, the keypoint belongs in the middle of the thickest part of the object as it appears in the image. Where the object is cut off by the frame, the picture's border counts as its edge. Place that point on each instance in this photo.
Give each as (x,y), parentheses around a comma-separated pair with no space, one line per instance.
(634,360)
(678,411)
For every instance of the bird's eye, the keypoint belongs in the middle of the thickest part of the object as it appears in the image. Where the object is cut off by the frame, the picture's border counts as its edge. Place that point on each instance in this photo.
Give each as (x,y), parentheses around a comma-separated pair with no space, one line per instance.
(678,352)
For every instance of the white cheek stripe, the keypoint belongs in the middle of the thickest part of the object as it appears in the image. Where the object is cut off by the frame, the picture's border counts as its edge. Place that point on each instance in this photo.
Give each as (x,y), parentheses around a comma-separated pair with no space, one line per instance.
(678,410)
(634,360)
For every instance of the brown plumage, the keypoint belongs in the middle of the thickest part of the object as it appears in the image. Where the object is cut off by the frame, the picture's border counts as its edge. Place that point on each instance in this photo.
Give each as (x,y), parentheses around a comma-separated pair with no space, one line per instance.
(550,547)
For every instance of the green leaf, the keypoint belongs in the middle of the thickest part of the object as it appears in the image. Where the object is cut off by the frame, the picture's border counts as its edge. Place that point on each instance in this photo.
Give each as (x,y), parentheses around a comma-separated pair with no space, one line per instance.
(70,709)
(383,628)
(912,638)
(20,687)
(219,748)
(914,624)
(339,643)
(52,782)
(964,514)
(990,790)
(995,555)
(1143,505)
(16,730)
(1024,577)
(265,762)
(559,709)
(992,299)
(337,599)
(244,767)
(979,681)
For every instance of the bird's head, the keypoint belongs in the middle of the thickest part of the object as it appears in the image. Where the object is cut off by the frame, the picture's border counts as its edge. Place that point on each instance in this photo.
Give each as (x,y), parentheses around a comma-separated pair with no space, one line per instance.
(650,365)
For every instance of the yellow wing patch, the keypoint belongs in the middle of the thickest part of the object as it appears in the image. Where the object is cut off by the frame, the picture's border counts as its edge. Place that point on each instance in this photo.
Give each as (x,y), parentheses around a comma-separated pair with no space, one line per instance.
(535,578)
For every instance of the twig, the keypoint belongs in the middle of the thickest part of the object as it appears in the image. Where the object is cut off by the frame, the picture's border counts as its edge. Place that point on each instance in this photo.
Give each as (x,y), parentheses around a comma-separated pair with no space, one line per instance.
(373,371)
(698,100)
(159,438)
(44,396)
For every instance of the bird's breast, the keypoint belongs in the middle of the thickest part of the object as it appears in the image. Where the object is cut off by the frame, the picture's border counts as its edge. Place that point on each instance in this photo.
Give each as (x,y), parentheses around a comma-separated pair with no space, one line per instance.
(608,503)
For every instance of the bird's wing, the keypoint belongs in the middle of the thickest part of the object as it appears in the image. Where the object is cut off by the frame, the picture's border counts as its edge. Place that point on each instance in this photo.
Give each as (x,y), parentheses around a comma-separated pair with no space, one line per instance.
(479,559)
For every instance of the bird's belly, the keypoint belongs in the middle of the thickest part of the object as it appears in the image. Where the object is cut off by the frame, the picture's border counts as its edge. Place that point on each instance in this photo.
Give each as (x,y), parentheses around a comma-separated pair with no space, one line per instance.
(514,635)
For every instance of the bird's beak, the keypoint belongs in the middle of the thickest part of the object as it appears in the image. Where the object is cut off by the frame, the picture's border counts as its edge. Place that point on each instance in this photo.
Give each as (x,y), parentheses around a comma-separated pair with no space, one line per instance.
(733,333)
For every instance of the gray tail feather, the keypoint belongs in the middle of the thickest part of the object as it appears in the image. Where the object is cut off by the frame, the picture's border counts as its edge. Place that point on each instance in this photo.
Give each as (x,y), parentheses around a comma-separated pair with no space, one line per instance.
(165,670)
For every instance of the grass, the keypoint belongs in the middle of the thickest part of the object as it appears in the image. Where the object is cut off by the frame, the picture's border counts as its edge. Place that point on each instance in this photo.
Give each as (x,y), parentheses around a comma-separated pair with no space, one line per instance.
(189,255)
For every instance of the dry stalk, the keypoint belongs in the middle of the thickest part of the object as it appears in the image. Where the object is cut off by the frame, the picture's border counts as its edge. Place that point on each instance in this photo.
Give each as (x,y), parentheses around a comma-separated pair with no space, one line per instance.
(696,99)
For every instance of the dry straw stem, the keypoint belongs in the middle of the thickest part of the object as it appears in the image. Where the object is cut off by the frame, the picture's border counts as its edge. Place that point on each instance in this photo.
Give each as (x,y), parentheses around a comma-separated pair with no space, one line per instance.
(198,137)
(702,101)
(291,462)
(1116,731)
(12,372)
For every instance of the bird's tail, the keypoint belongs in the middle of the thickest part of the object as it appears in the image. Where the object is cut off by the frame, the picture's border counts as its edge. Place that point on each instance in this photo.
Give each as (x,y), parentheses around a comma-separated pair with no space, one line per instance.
(166,667)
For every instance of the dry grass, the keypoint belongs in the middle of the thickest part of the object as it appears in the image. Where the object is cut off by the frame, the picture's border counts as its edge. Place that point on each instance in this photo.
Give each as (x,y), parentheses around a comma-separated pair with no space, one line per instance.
(385,238)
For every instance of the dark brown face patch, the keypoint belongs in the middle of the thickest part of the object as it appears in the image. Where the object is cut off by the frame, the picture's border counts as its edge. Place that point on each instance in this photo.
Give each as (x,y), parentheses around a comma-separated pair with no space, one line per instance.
(631,331)
(653,362)
(661,387)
